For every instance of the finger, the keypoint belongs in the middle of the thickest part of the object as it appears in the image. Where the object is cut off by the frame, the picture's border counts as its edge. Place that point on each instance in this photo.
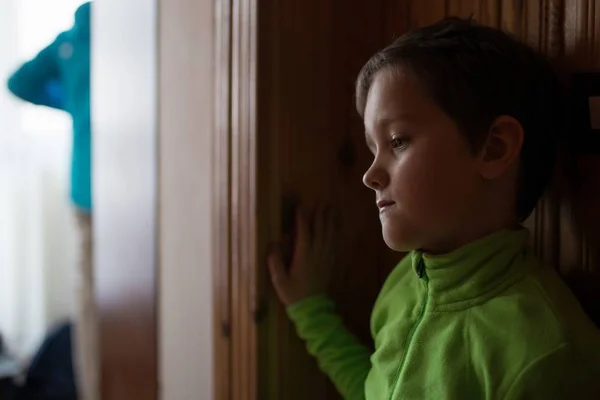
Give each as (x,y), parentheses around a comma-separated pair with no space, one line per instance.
(277,270)
(302,237)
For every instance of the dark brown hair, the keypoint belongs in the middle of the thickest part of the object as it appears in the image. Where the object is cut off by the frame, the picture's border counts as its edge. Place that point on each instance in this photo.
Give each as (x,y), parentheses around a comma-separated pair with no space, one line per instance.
(476,74)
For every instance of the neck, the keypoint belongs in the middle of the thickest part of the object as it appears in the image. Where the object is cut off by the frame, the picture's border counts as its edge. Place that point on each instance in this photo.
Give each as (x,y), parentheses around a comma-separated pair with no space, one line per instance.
(474,228)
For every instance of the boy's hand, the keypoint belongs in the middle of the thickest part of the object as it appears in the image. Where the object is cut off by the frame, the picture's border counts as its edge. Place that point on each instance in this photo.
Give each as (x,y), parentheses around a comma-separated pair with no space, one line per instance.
(312,261)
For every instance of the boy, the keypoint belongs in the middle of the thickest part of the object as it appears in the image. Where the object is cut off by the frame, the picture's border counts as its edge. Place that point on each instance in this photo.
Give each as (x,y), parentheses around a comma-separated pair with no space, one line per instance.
(59,77)
(462,121)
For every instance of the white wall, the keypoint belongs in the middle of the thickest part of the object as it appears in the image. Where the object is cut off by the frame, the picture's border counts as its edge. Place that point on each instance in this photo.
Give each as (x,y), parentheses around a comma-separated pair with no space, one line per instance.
(37,240)
(186,112)
(124,128)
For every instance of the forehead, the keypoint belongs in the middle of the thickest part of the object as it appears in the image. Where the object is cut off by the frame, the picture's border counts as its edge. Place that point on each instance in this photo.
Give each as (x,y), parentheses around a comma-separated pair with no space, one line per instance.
(395,94)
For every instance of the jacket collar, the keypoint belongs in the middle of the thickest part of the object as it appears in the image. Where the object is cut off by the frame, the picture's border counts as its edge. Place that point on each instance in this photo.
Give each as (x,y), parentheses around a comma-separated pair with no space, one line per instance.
(476,270)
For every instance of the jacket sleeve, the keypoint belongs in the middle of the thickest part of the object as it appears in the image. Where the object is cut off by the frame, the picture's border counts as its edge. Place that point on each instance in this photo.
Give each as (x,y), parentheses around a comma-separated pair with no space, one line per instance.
(339,353)
(38,80)
(563,373)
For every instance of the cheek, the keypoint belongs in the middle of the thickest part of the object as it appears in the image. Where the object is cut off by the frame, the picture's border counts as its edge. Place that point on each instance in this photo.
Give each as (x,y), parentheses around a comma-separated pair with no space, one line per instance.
(433,181)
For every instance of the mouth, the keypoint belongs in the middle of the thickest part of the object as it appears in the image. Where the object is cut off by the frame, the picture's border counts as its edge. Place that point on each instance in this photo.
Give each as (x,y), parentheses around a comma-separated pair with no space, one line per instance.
(384,205)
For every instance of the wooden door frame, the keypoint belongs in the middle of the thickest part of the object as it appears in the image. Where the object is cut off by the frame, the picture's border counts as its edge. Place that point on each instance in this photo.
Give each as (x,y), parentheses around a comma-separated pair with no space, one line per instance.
(236,301)
(222,202)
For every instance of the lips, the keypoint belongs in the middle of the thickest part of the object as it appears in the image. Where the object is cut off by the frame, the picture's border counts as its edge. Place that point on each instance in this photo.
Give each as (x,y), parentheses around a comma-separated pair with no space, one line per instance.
(384,204)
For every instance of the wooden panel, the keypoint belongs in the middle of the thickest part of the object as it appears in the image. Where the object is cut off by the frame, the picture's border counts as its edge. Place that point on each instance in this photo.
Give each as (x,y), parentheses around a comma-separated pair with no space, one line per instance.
(429,11)
(222,204)
(489,12)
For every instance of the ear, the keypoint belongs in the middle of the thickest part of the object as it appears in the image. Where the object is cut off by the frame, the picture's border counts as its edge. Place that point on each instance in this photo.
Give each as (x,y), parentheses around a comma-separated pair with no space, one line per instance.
(502,147)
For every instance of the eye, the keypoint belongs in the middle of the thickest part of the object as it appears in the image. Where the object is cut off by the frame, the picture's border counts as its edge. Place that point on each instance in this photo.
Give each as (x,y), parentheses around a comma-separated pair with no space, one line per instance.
(398,143)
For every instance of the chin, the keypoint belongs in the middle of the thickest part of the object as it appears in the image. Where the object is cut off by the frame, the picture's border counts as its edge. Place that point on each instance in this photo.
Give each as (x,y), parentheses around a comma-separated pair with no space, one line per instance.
(399,240)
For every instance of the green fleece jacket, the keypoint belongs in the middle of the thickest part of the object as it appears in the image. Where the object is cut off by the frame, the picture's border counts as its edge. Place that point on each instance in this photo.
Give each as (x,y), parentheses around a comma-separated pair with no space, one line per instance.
(486,321)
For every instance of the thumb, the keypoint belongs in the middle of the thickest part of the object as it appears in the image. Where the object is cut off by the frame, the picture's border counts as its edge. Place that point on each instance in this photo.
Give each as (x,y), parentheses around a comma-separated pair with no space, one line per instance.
(279,275)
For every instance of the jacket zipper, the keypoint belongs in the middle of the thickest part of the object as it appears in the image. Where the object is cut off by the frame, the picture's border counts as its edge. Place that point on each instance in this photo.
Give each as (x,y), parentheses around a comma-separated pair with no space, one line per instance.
(422,275)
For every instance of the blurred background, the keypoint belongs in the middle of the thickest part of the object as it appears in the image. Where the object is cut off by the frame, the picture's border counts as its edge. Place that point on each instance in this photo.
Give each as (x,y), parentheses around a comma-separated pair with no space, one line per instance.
(114,66)
(37,231)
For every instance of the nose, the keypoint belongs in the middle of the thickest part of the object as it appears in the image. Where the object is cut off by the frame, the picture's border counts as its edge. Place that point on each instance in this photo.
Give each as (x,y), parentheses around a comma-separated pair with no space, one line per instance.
(376,178)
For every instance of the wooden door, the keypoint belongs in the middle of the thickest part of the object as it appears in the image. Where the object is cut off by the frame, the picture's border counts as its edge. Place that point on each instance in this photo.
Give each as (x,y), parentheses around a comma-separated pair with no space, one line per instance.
(287,129)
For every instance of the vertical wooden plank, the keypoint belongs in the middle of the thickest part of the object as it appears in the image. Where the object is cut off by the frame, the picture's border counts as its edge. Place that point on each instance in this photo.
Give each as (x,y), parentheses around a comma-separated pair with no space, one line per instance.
(241,135)
(549,210)
(532,18)
(595,42)
(240,363)
(576,34)
(512,16)
(572,249)
(269,146)
(572,257)
(236,345)
(462,8)
(252,237)
(397,17)
(426,12)
(555,29)
(222,203)
(489,12)
(244,187)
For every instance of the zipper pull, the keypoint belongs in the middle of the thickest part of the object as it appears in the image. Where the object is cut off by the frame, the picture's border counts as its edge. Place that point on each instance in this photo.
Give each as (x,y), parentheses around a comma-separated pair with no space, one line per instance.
(421,269)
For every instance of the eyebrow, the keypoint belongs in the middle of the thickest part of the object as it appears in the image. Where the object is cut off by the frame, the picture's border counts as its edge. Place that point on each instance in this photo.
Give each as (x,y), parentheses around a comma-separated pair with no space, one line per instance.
(385,121)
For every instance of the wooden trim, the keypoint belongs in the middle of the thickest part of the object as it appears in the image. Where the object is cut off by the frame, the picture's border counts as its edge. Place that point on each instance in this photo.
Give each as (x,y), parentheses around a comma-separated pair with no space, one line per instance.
(222,202)
(243,196)
(236,270)
(555,25)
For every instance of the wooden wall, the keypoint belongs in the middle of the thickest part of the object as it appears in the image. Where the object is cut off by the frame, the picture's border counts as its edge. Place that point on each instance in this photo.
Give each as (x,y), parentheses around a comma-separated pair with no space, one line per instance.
(293,132)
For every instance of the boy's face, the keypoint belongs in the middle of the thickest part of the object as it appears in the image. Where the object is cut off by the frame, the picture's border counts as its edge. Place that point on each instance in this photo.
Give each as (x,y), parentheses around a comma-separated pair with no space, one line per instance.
(424,173)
